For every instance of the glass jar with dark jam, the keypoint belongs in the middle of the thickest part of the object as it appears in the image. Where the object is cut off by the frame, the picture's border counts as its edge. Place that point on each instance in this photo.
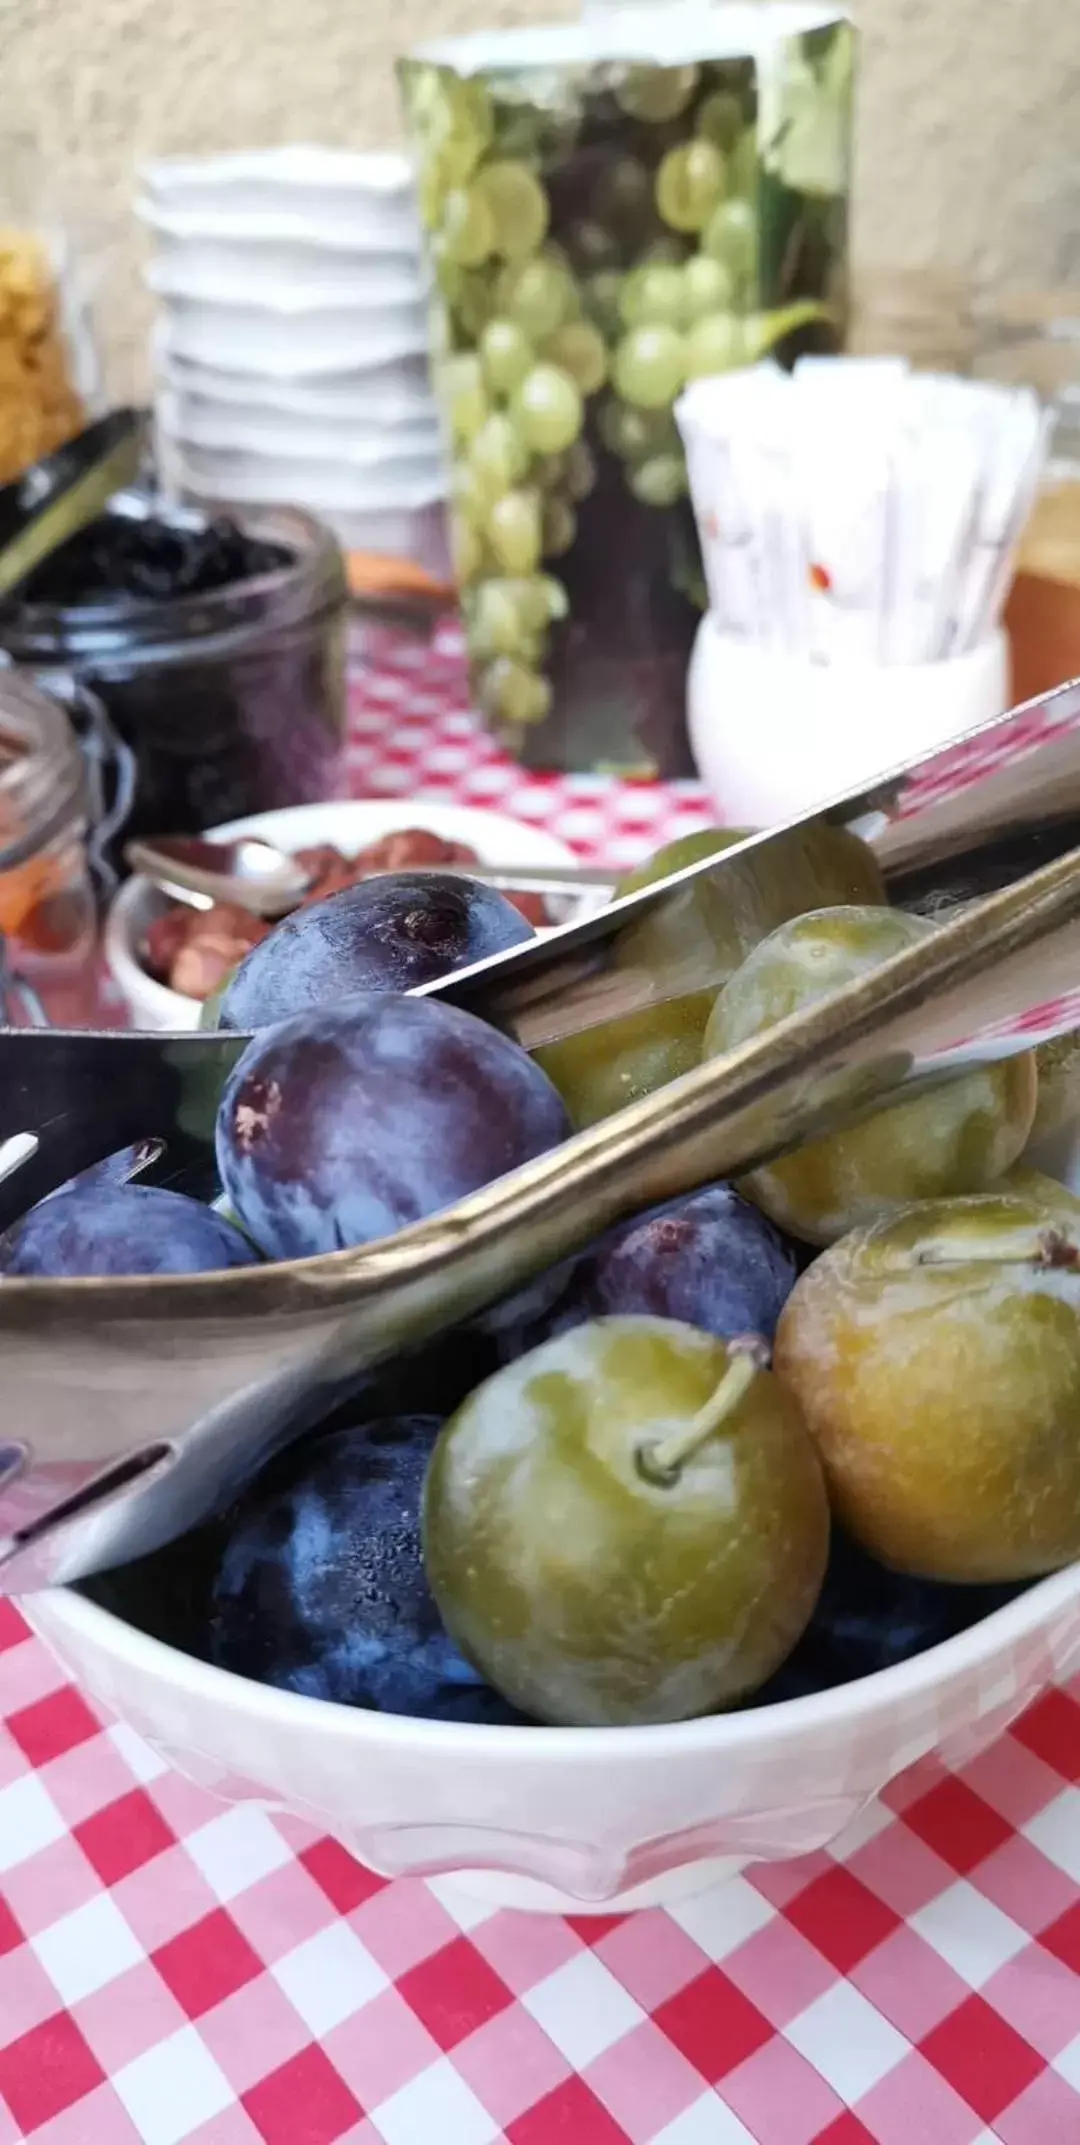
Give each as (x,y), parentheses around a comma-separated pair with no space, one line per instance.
(216,646)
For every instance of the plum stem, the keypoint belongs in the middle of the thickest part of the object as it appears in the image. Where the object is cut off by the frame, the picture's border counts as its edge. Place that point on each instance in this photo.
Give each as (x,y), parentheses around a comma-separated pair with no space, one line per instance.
(662,1460)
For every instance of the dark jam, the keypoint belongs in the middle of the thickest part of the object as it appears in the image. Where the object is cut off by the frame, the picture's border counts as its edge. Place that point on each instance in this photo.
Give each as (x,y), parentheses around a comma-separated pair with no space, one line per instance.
(216,652)
(149,560)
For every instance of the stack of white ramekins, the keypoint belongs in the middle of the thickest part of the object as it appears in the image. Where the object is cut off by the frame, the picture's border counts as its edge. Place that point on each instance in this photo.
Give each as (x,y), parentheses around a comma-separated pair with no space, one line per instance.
(290,347)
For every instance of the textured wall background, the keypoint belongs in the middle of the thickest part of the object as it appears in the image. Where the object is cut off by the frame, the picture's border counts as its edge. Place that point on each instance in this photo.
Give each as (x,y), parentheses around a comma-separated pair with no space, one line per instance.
(968,114)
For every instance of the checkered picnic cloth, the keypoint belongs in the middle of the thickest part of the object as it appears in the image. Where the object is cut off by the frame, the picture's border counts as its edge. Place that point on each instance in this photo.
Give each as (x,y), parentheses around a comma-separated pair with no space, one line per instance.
(172,1969)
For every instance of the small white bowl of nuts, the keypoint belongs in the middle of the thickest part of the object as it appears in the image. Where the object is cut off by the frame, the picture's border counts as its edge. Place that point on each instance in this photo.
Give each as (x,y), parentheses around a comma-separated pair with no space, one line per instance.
(166,959)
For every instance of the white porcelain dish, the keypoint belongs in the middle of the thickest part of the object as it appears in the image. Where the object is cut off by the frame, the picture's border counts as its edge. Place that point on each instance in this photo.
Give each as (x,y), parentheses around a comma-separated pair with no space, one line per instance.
(287,279)
(301,176)
(397,393)
(355,225)
(225,427)
(345,483)
(347,469)
(283,345)
(416,533)
(573,1820)
(349,825)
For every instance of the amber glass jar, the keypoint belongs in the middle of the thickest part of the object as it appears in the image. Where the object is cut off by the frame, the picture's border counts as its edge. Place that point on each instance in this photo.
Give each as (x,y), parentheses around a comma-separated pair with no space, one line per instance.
(1032,339)
(46,360)
(48,910)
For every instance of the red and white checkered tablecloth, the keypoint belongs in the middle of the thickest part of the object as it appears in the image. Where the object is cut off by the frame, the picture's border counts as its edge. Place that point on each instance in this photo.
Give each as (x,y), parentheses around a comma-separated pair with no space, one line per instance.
(411,734)
(172,1969)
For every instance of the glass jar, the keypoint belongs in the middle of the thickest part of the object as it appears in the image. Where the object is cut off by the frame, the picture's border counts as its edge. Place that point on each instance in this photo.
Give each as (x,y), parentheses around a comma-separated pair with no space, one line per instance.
(1032,339)
(46,361)
(613,207)
(47,901)
(231,702)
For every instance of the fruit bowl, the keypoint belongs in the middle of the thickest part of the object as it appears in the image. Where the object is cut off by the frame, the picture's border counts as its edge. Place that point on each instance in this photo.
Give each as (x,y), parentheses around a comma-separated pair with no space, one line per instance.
(566,1820)
(348,825)
(615,1816)
(573,1820)
(563,1820)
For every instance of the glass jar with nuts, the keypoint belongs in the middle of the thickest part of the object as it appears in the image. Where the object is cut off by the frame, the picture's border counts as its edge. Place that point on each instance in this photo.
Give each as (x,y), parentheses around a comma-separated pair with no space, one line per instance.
(40,402)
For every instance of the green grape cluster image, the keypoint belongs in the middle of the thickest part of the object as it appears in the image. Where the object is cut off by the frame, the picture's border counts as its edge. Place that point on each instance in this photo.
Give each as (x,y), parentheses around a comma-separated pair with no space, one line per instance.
(597,238)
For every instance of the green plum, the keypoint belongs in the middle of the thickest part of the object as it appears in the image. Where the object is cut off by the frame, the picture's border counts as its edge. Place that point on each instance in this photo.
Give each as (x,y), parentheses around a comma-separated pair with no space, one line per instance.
(605,1068)
(707,928)
(701,932)
(1027,1183)
(936,1359)
(1058,1064)
(608,1067)
(958,1138)
(627,1525)
(686,849)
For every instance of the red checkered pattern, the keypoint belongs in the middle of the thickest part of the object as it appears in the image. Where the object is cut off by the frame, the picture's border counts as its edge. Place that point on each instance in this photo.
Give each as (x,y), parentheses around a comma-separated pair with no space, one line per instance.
(1039,1023)
(172,1969)
(411,734)
(1001,746)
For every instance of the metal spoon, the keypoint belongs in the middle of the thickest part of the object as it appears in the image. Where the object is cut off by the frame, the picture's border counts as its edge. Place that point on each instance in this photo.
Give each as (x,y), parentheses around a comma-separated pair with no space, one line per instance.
(249,873)
(254,874)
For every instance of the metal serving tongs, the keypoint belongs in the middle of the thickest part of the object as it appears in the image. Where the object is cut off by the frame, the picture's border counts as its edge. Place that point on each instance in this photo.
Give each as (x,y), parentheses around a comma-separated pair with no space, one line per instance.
(130,1409)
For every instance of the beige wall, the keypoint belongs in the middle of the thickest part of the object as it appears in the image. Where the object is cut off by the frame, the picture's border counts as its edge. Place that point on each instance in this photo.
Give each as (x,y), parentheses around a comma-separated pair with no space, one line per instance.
(968,134)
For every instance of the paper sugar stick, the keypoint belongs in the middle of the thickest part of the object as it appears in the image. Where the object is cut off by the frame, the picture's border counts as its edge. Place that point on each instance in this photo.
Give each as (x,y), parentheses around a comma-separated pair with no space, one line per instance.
(857,512)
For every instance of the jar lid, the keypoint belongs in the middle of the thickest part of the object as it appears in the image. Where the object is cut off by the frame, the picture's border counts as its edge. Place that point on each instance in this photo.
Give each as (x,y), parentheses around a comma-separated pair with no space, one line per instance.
(42,772)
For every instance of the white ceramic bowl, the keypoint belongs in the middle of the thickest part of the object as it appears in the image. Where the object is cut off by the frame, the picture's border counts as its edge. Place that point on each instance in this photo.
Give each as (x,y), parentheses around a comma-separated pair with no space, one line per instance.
(349,826)
(287,344)
(224,427)
(286,278)
(395,394)
(418,533)
(367,228)
(357,477)
(369,197)
(570,1819)
(567,1820)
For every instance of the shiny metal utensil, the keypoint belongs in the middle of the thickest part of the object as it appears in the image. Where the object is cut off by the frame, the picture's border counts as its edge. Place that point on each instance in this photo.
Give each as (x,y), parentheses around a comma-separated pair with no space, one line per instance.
(131,1408)
(255,874)
(248,872)
(60,495)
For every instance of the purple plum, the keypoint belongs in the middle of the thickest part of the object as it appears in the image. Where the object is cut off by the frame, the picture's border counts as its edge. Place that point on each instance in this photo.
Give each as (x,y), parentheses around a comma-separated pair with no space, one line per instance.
(97,1227)
(349,1123)
(388,933)
(321,1586)
(708,1259)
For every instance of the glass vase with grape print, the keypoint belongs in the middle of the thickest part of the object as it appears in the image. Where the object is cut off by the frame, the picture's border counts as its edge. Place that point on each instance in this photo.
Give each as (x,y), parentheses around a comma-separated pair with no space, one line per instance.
(612,208)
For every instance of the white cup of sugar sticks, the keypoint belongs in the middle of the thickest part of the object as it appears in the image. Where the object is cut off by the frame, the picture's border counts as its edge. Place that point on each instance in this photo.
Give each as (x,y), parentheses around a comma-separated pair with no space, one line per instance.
(858,526)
